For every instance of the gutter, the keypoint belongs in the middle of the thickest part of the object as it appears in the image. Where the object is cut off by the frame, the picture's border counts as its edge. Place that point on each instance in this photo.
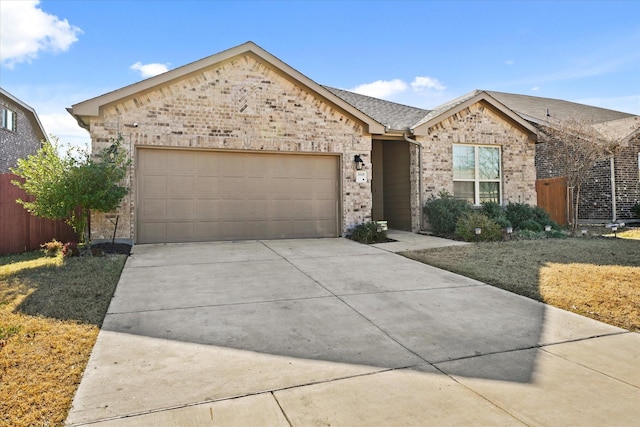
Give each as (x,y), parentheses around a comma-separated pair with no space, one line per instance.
(420,195)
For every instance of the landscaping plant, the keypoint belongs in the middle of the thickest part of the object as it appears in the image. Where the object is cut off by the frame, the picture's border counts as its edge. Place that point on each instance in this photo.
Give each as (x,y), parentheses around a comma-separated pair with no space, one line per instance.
(470,221)
(69,187)
(368,233)
(444,211)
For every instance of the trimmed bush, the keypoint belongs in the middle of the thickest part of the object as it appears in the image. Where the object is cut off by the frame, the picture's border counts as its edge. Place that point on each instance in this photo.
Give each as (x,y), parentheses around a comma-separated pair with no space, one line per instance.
(522,217)
(444,211)
(465,228)
(531,225)
(636,210)
(368,233)
(518,212)
(497,213)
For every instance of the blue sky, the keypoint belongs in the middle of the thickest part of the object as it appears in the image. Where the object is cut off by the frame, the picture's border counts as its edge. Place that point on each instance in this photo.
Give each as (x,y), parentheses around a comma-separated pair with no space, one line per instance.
(421,53)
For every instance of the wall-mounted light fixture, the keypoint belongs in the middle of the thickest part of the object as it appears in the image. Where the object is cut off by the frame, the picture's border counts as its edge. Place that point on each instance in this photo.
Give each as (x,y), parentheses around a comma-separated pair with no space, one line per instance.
(359,162)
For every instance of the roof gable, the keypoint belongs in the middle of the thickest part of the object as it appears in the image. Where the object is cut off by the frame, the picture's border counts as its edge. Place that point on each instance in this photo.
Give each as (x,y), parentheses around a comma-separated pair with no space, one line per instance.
(452,107)
(30,112)
(92,106)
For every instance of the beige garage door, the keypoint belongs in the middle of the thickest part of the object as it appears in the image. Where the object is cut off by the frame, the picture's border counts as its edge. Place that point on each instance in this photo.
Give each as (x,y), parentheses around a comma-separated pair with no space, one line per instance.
(191,196)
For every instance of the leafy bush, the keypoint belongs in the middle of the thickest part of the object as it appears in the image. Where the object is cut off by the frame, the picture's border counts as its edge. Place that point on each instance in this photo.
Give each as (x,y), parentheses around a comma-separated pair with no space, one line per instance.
(531,225)
(368,233)
(636,210)
(518,212)
(465,228)
(497,213)
(52,248)
(444,211)
(522,217)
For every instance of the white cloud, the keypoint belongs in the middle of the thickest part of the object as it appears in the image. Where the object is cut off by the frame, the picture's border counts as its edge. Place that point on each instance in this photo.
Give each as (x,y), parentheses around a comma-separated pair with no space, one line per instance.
(26,30)
(381,88)
(535,88)
(420,84)
(149,70)
(509,62)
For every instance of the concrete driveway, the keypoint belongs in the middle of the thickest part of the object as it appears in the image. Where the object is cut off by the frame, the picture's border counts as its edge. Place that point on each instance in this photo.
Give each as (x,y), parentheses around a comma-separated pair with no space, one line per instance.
(331,332)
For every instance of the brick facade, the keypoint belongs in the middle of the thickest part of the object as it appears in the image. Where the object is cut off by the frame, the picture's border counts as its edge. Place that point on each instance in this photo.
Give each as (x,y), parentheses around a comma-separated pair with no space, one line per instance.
(24,141)
(596,204)
(239,104)
(479,124)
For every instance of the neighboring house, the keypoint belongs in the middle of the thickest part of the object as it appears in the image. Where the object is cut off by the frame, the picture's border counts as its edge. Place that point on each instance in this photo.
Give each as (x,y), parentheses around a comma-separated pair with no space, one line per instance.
(606,196)
(239,145)
(21,132)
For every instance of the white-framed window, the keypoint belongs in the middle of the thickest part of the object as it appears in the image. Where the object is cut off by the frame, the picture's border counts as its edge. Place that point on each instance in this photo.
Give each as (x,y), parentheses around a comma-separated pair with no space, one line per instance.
(8,119)
(477,173)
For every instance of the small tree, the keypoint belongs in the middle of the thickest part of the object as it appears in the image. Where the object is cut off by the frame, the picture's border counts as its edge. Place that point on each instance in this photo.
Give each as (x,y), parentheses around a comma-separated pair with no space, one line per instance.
(69,187)
(577,148)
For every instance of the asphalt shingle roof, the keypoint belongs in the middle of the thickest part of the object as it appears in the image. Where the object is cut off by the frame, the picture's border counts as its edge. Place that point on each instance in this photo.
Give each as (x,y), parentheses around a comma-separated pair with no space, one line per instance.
(391,114)
(531,108)
(534,109)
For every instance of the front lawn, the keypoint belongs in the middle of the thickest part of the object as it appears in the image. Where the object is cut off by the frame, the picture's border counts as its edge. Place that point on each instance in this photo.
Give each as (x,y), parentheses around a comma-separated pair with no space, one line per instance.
(595,277)
(51,310)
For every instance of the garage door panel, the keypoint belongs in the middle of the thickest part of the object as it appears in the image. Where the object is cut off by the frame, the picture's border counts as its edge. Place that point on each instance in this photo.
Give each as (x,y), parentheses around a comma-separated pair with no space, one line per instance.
(204,196)
(153,209)
(180,231)
(154,184)
(182,161)
(208,230)
(181,209)
(180,186)
(207,186)
(207,209)
(153,232)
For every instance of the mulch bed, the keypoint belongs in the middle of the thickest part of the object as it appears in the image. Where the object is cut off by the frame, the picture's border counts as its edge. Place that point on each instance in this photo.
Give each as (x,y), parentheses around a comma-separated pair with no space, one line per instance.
(112,248)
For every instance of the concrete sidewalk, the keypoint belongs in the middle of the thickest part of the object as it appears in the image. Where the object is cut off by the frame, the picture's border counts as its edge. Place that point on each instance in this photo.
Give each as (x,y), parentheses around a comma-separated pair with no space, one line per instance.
(331,332)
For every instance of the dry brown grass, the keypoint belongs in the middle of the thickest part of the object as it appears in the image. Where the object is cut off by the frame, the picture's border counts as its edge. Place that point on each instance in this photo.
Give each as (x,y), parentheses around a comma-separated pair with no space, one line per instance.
(595,277)
(50,314)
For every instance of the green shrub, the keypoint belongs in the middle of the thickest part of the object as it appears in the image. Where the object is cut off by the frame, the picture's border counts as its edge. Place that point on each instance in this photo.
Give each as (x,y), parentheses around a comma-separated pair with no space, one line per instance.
(518,212)
(492,209)
(52,248)
(465,228)
(531,225)
(522,217)
(636,210)
(542,217)
(497,213)
(368,233)
(444,211)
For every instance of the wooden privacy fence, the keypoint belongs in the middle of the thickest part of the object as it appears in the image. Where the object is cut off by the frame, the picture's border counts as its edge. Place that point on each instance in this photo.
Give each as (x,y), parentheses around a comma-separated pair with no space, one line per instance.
(552,197)
(19,230)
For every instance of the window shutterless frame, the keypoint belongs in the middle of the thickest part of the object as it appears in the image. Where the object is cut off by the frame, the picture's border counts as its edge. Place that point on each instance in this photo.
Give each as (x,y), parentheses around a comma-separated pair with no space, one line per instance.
(8,119)
(477,173)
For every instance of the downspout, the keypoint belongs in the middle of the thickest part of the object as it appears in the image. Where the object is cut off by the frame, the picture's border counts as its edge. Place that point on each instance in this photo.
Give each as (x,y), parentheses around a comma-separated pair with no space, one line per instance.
(420,195)
(613,190)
